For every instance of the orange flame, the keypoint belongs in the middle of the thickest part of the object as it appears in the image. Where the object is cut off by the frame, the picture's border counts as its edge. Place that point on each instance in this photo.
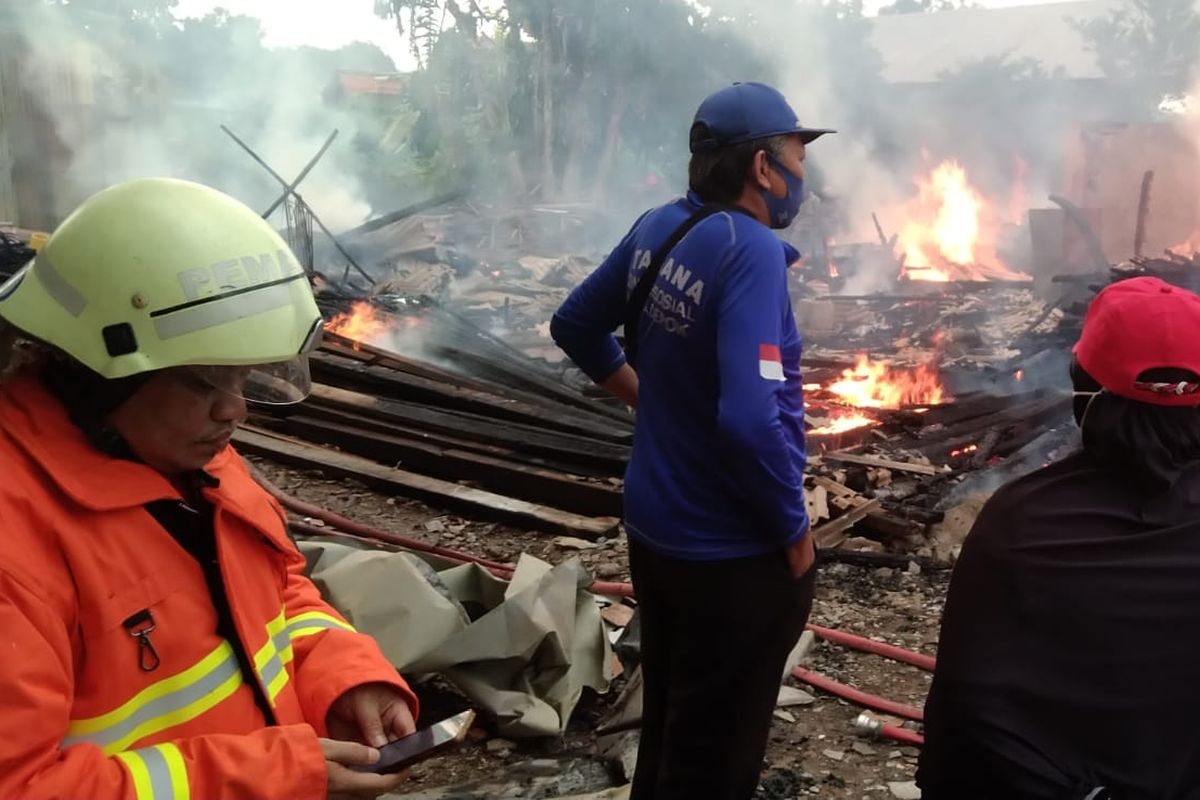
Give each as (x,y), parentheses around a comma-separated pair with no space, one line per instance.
(1188,247)
(876,385)
(842,422)
(949,231)
(971,448)
(362,323)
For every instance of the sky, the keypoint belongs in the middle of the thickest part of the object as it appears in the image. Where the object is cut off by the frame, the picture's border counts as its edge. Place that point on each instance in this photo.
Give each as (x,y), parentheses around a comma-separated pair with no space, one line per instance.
(333,23)
(321,23)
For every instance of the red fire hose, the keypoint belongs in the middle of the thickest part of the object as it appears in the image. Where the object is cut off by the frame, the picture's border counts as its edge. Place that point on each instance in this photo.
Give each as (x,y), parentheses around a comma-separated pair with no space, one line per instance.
(500,570)
(849,693)
(367,532)
(873,727)
(857,696)
(599,587)
(878,648)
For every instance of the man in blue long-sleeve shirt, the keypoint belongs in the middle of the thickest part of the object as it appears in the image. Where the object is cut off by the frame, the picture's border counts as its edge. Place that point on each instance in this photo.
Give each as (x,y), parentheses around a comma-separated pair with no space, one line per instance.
(714,498)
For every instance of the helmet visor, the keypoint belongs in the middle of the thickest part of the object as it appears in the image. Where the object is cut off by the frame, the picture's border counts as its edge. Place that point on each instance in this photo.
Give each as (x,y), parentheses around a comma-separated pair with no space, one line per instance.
(279,383)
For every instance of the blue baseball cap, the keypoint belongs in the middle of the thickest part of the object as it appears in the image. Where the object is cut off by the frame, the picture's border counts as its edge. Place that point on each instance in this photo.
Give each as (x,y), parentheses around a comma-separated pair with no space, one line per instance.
(742,112)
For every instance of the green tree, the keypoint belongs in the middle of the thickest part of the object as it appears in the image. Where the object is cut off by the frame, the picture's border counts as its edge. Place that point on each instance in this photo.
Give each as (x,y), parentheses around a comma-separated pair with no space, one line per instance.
(557,91)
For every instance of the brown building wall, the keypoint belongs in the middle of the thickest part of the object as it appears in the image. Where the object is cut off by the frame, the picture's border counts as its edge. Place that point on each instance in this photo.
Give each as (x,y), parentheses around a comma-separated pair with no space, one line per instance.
(1105,169)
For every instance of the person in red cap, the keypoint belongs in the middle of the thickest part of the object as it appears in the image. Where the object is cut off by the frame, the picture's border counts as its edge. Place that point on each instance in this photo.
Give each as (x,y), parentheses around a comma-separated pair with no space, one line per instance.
(1066,667)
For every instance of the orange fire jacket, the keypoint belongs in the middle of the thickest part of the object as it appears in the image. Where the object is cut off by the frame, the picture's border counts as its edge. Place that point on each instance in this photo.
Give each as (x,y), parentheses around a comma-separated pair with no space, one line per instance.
(81,560)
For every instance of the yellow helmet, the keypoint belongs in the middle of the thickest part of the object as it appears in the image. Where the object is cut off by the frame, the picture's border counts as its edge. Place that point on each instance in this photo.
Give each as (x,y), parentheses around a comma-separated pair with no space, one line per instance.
(157,273)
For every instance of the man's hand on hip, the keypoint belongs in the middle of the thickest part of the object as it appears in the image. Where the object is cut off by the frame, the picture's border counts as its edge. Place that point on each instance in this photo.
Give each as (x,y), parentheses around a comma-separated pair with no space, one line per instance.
(801,555)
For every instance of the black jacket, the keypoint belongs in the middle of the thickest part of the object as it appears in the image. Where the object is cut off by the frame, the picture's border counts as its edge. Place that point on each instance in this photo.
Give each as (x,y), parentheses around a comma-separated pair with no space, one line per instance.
(1070,648)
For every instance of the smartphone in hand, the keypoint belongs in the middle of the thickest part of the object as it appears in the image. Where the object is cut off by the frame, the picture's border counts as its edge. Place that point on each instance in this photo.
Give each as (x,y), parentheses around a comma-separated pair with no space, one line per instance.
(416,747)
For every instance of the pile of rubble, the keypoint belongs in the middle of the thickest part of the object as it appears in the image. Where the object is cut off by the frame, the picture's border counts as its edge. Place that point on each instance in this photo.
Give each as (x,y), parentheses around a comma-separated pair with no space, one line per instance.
(482,415)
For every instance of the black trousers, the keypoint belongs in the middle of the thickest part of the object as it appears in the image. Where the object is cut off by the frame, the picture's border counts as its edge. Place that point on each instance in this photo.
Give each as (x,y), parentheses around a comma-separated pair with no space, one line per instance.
(715,636)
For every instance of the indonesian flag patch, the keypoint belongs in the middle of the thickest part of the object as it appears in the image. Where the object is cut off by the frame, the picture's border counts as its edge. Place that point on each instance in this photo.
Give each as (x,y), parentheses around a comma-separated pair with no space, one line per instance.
(770,364)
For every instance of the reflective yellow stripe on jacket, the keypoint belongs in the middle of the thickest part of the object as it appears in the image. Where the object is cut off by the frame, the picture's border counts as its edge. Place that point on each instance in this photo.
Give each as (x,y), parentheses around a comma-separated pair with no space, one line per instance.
(271,660)
(169,702)
(188,694)
(158,772)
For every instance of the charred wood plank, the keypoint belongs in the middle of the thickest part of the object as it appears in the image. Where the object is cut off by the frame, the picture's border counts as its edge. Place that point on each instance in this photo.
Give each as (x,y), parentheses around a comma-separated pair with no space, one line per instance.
(337,345)
(883,521)
(492,358)
(532,439)
(443,494)
(917,514)
(392,427)
(891,527)
(826,363)
(1143,212)
(404,213)
(412,388)
(504,477)
(963,410)
(835,488)
(523,377)
(884,463)
(833,533)
(1028,417)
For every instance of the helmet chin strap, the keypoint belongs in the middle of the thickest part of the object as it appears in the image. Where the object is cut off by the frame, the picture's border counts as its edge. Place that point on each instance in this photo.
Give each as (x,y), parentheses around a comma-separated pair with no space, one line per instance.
(89,398)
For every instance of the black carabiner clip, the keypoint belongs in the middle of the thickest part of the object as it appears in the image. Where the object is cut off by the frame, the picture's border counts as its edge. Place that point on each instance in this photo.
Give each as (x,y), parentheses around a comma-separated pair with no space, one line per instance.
(139,626)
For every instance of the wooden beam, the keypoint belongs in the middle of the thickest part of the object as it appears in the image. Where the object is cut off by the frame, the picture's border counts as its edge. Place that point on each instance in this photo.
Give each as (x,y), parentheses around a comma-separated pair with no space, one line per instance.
(337,345)
(395,428)
(496,474)
(833,533)
(835,488)
(509,434)
(890,526)
(871,461)
(436,492)
(426,391)
(489,356)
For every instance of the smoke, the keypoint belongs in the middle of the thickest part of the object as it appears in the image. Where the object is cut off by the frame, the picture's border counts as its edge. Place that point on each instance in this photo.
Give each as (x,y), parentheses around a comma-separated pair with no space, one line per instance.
(112,99)
(126,100)
(907,92)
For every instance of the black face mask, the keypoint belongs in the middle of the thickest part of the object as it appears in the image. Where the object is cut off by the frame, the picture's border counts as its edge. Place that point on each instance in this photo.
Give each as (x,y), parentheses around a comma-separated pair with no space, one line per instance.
(1151,445)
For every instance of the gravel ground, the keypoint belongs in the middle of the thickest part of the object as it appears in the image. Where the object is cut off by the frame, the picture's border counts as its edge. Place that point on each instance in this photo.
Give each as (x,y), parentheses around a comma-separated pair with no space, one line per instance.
(813,749)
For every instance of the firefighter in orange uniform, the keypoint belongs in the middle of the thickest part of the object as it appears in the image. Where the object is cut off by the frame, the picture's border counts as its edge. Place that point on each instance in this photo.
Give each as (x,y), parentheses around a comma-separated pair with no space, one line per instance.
(158,639)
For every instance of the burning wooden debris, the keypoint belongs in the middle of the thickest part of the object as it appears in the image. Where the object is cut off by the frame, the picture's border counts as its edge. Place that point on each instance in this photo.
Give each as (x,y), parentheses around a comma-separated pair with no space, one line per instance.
(466,421)
(1179,265)
(949,232)
(511,443)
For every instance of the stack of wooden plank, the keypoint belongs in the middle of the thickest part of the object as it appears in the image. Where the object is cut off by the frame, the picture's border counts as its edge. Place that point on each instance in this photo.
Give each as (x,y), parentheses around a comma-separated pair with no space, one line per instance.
(498,436)
(544,457)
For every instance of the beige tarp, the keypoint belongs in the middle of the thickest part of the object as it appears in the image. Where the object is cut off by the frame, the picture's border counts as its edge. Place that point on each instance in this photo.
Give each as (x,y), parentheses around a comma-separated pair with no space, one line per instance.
(523,649)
